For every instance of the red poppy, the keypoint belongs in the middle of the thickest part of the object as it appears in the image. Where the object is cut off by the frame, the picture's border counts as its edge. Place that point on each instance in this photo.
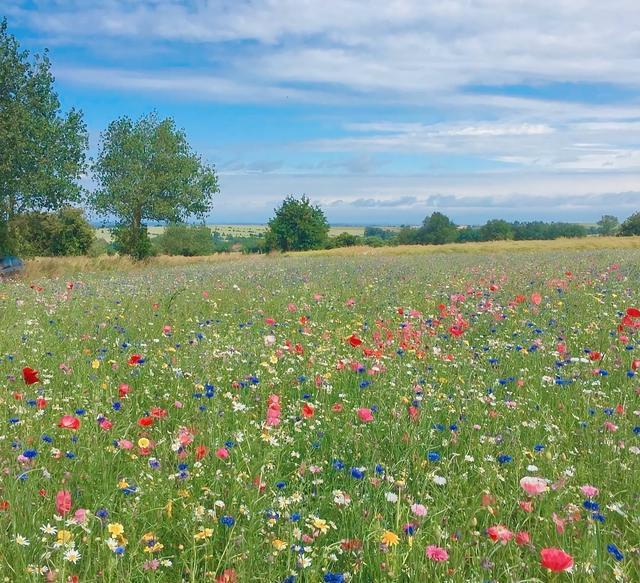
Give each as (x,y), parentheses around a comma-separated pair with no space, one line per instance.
(41,403)
(354,340)
(69,422)
(158,412)
(555,559)
(145,421)
(30,375)
(536,298)
(633,312)
(134,359)
(595,355)
(4,505)
(123,390)
(201,452)
(308,411)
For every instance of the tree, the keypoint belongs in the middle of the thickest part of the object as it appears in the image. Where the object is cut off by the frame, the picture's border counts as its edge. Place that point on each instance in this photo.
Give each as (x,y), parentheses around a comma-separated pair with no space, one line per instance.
(42,151)
(608,225)
(496,230)
(631,226)
(437,229)
(147,171)
(297,226)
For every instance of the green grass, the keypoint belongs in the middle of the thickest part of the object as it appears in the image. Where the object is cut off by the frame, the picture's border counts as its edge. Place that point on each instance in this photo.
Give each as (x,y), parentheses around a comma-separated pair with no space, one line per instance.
(487,393)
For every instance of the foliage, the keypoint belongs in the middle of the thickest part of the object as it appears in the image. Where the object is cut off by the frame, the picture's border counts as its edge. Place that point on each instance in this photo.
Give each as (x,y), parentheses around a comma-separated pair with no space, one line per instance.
(384,234)
(42,150)
(497,230)
(608,225)
(187,240)
(344,240)
(406,236)
(631,226)
(66,232)
(146,171)
(437,229)
(297,226)
(538,230)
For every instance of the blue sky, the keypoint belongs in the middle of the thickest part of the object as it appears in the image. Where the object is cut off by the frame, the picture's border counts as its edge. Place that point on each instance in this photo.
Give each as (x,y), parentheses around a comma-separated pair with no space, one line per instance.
(381,111)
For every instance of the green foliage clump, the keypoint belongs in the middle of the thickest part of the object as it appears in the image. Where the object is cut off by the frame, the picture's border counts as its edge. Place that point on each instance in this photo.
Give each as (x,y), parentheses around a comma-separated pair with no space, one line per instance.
(437,229)
(297,226)
(66,232)
(631,226)
(186,240)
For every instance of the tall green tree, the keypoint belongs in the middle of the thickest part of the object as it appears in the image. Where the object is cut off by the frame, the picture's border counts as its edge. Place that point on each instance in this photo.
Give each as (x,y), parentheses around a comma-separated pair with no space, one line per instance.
(437,229)
(608,225)
(42,150)
(147,171)
(297,226)
(631,226)
(496,230)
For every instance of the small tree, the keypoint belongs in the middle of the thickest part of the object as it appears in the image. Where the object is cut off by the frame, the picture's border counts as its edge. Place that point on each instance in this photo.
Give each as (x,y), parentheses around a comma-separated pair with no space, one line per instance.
(496,230)
(297,226)
(631,226)
(437,229)
(42,151)
(146,171)
(608,225)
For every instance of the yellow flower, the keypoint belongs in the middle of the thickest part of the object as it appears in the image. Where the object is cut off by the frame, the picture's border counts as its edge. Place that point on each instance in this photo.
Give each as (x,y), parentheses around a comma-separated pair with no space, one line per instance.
(204,533)
(122,484)
(95,363)
(64,536)
(320,524)
(279,545)
(115,529)
(143,443)
(389,538)
(169,508)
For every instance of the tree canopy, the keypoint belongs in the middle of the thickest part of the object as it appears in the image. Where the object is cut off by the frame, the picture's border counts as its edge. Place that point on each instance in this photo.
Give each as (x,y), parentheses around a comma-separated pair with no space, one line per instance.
(631,226)
(42,150)
(437,229)
(147,171)
(297,226)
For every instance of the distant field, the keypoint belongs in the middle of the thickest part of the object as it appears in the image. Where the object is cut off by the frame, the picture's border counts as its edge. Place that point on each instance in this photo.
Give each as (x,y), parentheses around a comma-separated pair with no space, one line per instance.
(245,230)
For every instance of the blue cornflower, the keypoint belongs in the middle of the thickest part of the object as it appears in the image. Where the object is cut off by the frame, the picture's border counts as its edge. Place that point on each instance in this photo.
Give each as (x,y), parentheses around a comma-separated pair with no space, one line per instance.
(433,456)
(227,521)
(338,465)
(504,459)
(615,551)
(591,505)
(30,453)
(333,578)
(281,485)
(357,473)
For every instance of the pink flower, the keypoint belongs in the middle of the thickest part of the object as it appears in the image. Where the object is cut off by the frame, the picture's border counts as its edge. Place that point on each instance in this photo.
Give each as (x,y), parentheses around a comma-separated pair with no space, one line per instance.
(69,422)
(590,491)
(365,414)
(80,515)
(177,404)
(419,509)
(499,533)
(125,444)
(533,486)
(610,426)
(63,502)
(523,538)
(222,453)
(555,559)
(559,522)
(436,553)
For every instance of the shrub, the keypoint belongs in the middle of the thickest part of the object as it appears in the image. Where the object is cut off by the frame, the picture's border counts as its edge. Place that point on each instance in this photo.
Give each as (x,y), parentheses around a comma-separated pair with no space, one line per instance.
(186,240)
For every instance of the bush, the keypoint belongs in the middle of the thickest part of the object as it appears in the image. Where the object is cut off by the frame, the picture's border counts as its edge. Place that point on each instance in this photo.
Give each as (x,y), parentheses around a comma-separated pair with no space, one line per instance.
(297,226)
(66,232)
(631,226)
(343,240)
(186,240)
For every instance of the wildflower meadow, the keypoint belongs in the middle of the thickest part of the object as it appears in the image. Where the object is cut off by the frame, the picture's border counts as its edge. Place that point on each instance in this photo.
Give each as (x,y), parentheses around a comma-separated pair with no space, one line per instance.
(446,417)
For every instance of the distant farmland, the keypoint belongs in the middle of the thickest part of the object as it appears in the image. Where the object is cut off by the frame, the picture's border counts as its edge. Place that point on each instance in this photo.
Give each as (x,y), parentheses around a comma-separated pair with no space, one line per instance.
(226,231)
